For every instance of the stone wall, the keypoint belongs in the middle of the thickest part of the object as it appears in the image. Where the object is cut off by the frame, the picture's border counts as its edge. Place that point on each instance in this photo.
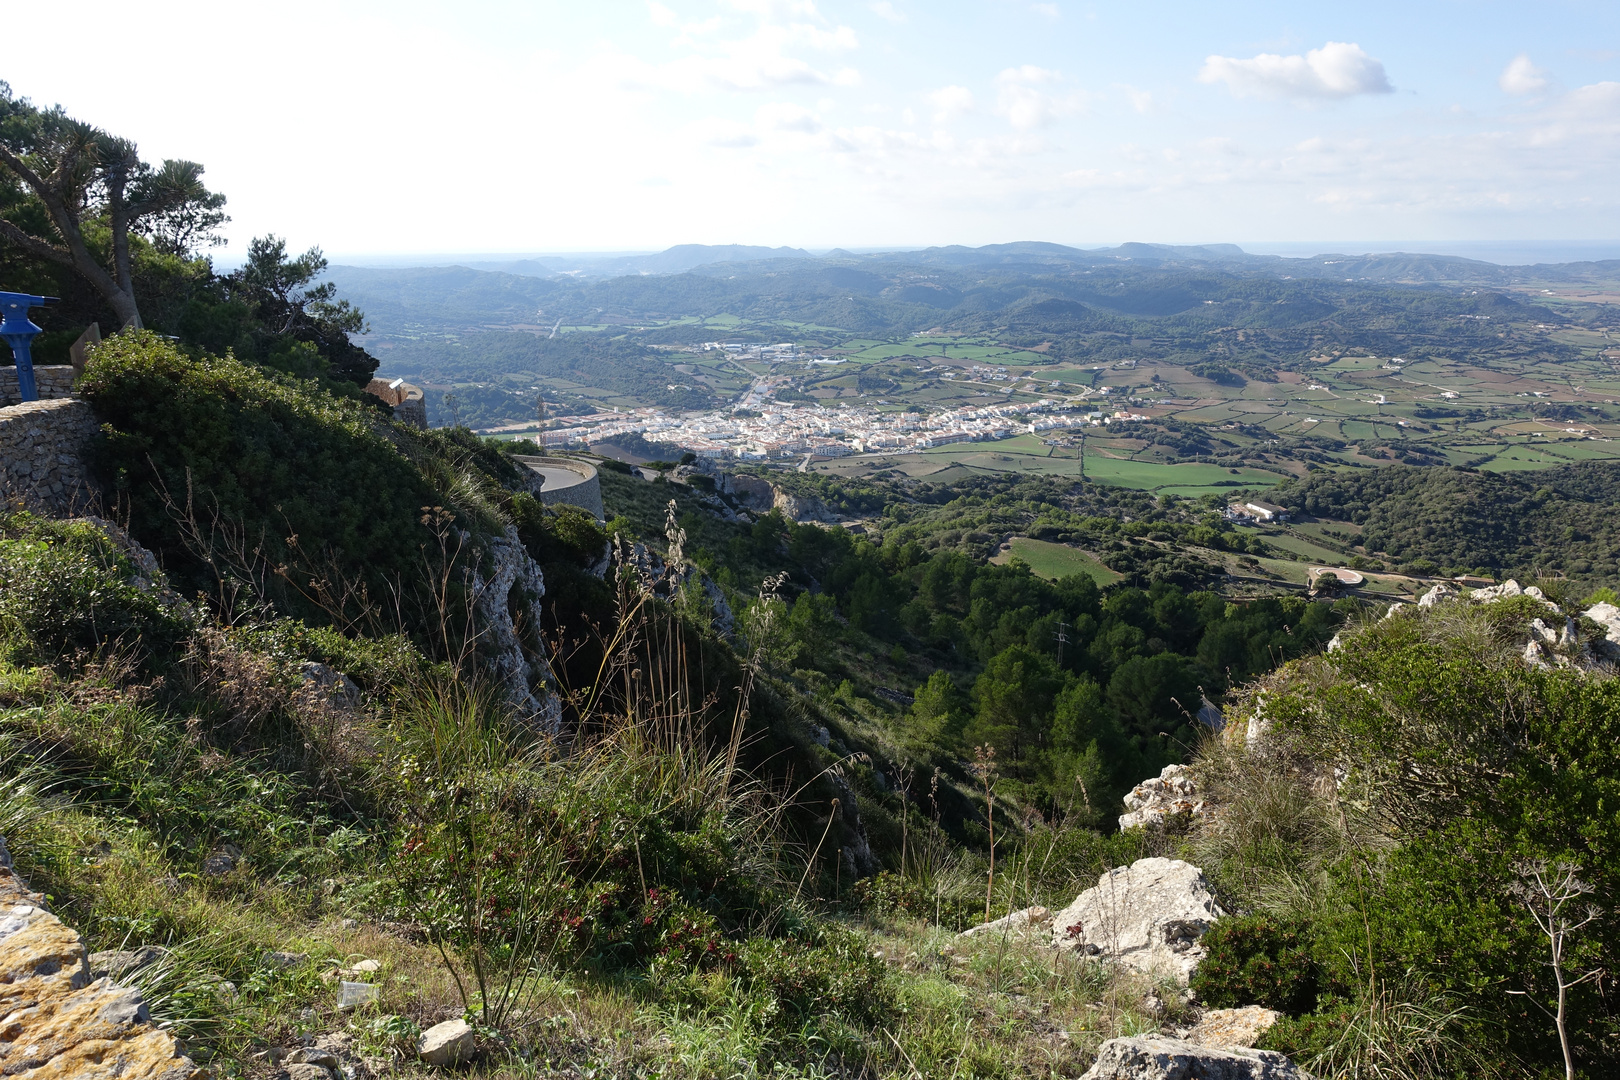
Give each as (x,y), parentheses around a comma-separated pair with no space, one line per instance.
(51,380)
(44,451)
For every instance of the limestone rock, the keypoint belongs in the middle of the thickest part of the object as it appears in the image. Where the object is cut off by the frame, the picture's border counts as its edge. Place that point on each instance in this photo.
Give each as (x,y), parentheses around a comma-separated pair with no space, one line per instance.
(1028,923)
(1233,1028)
(1171,793)
(1508,588)
(1153,1057)
(60,1023)
(447,1043)
(749,491)
(1607,616)
(801,507)
(515,584)
(1436,595)
(300,1070)
(1148,916)
(330,686)
(118,963)
(309,1055)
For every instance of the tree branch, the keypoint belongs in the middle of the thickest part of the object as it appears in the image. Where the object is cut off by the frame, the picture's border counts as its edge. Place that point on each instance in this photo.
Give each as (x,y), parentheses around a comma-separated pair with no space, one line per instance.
(34,245)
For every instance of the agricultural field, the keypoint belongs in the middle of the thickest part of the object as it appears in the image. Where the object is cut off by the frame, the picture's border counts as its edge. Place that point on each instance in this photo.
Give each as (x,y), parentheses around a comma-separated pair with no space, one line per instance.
(1054,561)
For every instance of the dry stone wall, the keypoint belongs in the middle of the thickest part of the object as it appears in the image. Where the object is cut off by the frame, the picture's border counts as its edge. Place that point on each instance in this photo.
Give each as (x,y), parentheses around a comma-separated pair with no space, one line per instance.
(51,380)
(44,455)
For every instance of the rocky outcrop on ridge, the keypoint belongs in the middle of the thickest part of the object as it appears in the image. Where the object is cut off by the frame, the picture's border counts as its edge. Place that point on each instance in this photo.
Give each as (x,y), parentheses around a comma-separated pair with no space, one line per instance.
(58,1021)
(1149,916)
(1154,1057)
(1170,794)
(514,584)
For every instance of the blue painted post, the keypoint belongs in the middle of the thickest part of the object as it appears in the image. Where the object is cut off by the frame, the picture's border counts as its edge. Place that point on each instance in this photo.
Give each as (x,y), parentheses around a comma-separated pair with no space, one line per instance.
(18,332)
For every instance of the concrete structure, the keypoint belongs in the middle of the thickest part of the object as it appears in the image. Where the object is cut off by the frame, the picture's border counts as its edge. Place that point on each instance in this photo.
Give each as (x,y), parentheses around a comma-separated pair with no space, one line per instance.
(568,482)
(409,407)
(51,380)
(44,454)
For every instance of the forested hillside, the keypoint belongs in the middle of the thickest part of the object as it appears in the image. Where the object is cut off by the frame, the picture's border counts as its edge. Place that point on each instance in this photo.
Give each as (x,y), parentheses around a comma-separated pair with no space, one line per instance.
(1558,521)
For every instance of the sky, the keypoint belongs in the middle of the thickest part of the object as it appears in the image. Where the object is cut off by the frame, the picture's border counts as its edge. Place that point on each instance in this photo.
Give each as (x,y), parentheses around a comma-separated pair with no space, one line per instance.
(406,126)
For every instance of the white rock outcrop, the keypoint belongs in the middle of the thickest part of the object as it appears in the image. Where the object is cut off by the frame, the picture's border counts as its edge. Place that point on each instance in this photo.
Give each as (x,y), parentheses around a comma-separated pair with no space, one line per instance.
(515,585)
(1032,922)
(1438,594)
(1171,793)
(1607,616)
(1154,1057)
(1149,916)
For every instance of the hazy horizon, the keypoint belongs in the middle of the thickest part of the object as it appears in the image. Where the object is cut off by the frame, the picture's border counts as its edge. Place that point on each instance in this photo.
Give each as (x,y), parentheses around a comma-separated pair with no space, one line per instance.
(1501,253)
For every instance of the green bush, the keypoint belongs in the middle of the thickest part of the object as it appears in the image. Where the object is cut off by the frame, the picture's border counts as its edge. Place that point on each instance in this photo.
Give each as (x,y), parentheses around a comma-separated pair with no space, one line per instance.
(1258,960)
(833,971)
(276,474)
(68,588)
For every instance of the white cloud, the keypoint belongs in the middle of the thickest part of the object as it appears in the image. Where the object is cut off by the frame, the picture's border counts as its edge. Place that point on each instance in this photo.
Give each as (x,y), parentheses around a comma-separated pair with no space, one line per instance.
(1337,70)
(950,102)
(782,116)
(1522,77)
(1027,107)
(883,9)
(1141,100)
(1049,10)
(661,15)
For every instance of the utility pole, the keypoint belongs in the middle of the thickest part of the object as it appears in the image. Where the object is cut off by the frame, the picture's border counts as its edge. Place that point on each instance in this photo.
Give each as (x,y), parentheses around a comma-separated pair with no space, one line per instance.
(1062,639)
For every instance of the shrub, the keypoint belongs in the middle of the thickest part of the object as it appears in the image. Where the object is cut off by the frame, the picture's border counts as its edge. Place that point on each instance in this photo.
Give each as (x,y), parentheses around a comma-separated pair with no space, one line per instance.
(277,473)
(1258,960)
(68,588)
(833,971)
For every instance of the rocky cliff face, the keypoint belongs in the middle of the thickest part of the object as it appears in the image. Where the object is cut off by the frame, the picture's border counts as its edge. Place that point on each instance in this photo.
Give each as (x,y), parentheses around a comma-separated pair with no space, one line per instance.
(508,610)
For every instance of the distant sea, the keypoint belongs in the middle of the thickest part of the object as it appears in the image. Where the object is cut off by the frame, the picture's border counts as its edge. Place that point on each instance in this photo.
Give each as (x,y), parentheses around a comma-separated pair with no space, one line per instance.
(1503,252)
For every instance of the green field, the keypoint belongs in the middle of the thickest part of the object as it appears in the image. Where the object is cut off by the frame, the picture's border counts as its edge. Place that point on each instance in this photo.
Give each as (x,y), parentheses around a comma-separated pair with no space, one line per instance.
(1055,561)
(1187,478)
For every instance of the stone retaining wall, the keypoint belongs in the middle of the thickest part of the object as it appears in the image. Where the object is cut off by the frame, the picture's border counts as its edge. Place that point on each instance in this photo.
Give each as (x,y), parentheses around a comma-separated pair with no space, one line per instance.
(586,492)
(44,452)
(51,380)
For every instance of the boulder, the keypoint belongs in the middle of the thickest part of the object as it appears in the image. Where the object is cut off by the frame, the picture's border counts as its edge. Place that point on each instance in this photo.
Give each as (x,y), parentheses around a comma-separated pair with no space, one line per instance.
(329,686)
(447,1043)
(58,1021)
(1508,588)
(1149,916)
(1437,595)
(299,1070)
(1231,1029)
(1154,1057)
(118,963)
(1168,795)
(1032,922)
(1607,616)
